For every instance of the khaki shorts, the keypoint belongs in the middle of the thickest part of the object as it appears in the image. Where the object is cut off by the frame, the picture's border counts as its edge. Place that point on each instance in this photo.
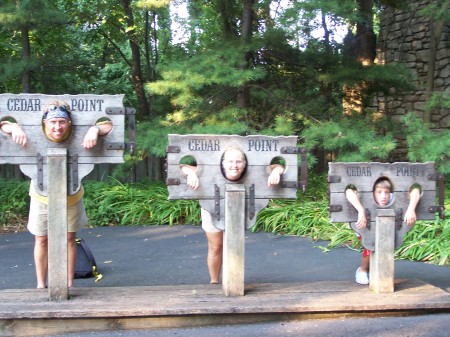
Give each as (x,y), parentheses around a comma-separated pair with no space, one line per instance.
(207,224)
(38,220)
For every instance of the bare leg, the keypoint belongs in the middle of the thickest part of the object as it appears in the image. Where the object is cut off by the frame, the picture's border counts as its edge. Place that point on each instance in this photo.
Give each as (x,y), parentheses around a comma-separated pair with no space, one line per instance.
(41,260)
(71,258)
(365,264)
(215,252)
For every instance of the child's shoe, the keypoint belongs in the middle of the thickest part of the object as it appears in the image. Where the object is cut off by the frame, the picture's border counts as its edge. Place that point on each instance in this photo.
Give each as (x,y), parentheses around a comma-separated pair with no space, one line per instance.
(361,277)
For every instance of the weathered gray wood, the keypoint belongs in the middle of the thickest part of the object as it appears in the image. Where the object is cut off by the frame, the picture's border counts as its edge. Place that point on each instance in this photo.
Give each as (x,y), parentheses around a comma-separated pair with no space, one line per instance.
(382,259)
(26,109)
(27,312)
(208,150)
(234,241)
(57,224)
(364,176)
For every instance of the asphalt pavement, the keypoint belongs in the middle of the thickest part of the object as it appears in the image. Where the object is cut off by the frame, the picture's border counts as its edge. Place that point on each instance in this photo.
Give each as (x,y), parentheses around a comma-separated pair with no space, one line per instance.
(175,255)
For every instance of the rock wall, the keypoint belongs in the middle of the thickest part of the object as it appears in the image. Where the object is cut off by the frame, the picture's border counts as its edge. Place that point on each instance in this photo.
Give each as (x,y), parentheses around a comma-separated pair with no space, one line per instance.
(405,37)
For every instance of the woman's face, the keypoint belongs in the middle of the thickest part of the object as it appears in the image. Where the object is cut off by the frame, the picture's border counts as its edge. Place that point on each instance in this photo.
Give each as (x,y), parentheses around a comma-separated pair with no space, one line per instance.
(233,164)
(56,128)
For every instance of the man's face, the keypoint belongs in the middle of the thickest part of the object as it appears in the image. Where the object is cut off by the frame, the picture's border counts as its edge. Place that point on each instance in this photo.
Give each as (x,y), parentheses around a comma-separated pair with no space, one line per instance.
(233,164)
(56,128)
(381,195)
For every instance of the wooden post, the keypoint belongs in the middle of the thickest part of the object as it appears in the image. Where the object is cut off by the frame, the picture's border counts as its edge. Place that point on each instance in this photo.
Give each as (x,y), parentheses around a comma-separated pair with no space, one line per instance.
(382,259)
(234,240)
(57,224)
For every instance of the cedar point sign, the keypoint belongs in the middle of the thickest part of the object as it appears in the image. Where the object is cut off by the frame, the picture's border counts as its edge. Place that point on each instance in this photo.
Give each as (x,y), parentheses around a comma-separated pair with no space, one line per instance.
(260,152)
(87,110)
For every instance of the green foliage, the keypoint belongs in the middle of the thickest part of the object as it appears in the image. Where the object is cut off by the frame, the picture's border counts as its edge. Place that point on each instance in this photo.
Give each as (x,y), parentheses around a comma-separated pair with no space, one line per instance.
(353,139)
(137,204)
(425,144)
(14,203)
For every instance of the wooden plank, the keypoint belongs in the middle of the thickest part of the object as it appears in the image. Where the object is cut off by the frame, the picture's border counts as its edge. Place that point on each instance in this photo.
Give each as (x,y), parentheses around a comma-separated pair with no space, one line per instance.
(26,109)
(207,151)
(382,259)
(349,213)
(234,241)
(57,224)
(210,175)
(363,175)
(308,297)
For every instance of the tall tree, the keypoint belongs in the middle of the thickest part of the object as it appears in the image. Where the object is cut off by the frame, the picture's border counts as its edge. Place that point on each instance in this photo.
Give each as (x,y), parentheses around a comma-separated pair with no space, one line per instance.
(136,58)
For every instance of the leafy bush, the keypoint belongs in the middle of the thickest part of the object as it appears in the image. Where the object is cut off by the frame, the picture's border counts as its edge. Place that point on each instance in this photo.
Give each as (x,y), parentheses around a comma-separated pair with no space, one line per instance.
(14,204)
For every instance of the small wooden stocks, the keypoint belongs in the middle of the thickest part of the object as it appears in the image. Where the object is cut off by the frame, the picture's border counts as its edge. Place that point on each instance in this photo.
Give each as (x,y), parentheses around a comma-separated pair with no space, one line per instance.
(385,229)
(57,224)
(234,205)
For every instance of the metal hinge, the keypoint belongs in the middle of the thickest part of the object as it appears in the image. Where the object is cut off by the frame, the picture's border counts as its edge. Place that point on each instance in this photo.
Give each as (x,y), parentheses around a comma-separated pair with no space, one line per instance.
(335,208)
(120,111)
(398,218)
(251,202)
(173,149)
(115,146)
(172,181)
(73,161)
(40,171)
(216,202)
(333,179)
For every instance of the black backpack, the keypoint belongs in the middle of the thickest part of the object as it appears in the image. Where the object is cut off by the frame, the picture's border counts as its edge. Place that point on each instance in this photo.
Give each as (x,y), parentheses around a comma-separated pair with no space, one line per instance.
(85,265)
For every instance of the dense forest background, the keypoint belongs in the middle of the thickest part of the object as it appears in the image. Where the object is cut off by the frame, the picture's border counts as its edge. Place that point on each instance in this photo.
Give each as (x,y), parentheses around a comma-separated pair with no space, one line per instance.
(273,67)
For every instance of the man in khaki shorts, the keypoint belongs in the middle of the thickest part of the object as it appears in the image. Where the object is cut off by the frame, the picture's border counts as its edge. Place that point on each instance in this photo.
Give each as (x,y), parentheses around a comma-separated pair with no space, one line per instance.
(57,126)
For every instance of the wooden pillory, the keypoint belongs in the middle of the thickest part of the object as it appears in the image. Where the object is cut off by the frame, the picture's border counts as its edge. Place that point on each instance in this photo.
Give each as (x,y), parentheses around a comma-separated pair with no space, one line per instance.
(57,168)
(385,230)
(234,205)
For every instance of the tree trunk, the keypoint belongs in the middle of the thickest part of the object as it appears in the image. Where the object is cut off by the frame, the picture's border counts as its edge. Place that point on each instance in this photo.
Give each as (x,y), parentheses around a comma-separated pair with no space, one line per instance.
(26,52)
(136,60)
(361,48)
(243,96)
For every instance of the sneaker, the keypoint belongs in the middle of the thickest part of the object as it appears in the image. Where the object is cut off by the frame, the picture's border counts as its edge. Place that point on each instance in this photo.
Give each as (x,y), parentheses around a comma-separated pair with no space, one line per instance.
(361,277)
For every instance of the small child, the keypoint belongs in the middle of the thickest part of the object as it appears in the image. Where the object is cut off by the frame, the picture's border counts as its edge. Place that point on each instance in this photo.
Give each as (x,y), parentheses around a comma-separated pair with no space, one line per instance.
(382,194)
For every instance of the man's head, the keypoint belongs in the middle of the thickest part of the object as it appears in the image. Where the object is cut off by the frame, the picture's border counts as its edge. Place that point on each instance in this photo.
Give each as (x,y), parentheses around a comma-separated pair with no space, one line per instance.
(57,121)
(233,163)
(382,191)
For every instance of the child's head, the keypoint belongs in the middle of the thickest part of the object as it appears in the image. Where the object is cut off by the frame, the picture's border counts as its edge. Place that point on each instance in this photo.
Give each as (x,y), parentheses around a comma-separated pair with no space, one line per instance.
(382,191)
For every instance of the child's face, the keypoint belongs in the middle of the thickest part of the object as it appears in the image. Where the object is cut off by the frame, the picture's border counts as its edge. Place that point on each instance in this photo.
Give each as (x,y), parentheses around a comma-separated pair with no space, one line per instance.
(381,195)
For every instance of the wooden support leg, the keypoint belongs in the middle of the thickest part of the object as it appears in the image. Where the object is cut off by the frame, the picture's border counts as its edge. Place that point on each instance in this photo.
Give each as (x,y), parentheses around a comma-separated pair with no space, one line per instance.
(57,224)
(382,259)
(234,240)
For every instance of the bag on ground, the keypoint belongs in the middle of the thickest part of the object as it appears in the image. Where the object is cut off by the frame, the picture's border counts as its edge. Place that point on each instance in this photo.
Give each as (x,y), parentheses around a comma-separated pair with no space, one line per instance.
(85,264)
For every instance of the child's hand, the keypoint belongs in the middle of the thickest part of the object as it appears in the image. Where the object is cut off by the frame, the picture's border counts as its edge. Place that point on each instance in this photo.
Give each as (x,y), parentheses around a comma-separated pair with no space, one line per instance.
(362,220)
(193,181)
(410,217)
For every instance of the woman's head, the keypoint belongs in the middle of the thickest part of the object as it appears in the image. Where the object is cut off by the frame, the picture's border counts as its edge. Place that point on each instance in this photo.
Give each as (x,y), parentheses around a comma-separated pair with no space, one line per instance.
(57,120)
(234,163)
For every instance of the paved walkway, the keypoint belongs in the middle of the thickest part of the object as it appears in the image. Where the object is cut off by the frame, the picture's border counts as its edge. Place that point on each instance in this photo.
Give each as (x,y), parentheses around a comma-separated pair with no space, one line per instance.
(156,277)
(165,255)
